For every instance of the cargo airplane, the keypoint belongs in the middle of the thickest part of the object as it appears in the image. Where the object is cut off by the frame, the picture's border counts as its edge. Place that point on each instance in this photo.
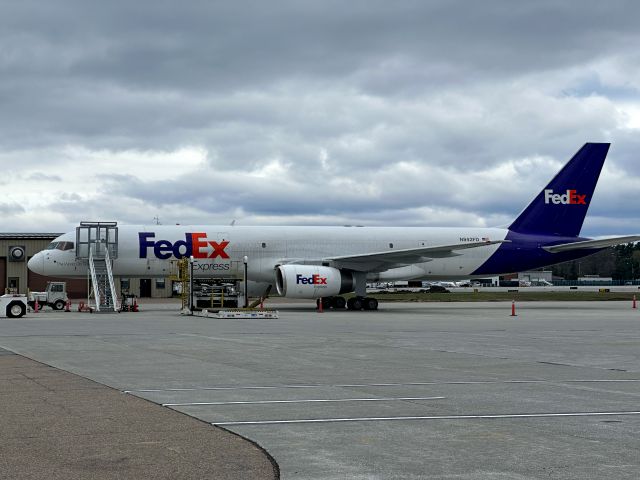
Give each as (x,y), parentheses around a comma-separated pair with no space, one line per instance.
(326,262)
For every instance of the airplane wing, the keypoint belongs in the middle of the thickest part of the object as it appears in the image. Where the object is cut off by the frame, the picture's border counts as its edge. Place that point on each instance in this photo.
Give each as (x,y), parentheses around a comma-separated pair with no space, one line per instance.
(380,261)
(602,243)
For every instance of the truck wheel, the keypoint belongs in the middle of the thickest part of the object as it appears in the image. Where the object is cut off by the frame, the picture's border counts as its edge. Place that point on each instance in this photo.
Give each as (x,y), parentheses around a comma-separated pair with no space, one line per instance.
(16,310)
(59,305)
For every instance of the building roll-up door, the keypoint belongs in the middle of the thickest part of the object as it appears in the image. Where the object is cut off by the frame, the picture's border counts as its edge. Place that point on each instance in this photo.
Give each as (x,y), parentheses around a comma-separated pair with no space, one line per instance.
(3,274)
(76,287)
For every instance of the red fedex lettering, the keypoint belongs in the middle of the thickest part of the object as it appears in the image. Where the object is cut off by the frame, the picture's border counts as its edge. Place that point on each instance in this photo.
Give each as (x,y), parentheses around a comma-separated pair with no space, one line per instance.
(576,199)
(198,244)
(218,249)
(201,245)
(318,280)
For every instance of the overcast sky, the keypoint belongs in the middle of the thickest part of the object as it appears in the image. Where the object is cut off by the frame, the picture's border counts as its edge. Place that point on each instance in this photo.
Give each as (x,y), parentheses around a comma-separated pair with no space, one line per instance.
(408,113)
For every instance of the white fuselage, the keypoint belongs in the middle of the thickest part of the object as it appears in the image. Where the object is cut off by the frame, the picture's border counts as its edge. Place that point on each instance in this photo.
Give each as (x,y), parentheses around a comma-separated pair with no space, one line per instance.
(150,251)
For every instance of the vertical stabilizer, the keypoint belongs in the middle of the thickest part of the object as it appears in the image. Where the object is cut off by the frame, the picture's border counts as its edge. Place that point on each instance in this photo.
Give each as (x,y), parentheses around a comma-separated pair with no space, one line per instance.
(560,208)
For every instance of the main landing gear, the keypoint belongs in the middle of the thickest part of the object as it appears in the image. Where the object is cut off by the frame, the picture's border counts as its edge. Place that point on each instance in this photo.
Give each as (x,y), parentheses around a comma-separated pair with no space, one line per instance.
(354,303)
(359,302)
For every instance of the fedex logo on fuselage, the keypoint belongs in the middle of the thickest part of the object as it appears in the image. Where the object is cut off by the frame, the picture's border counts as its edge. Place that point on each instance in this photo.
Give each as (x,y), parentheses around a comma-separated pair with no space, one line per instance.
(571,197)
(194,244)
(312,280)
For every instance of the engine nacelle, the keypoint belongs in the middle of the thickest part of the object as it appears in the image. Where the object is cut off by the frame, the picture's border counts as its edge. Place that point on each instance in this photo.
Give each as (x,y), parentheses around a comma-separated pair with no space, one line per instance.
(312,281)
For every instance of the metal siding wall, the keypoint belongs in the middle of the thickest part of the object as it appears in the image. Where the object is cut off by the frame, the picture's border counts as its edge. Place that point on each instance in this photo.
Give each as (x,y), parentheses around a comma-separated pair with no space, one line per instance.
(161,292)
(134,285)
(19,269)
(76,288)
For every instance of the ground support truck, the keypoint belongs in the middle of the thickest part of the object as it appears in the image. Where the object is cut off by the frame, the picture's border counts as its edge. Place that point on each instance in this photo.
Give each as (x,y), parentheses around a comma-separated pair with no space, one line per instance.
(54,296)
(13,305)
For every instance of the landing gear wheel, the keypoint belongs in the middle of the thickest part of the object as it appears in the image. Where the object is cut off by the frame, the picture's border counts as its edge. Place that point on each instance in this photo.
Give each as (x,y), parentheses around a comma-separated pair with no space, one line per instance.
(326,302)
(339,303)
(370,303)
(354,303)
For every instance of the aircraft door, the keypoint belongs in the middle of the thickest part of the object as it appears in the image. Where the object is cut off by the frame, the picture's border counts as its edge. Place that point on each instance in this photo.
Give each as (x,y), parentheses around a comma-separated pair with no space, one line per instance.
(145,287)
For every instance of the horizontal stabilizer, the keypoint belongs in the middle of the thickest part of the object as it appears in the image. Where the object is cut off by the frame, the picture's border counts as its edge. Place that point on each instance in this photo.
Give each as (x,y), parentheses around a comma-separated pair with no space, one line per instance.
(587,244)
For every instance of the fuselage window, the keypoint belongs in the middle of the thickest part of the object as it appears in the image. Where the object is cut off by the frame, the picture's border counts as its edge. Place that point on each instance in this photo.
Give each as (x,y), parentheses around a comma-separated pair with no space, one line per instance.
(391,245)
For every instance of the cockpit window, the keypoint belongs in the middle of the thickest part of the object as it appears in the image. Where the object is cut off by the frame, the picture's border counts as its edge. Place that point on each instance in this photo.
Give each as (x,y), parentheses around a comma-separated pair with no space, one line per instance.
(64,246)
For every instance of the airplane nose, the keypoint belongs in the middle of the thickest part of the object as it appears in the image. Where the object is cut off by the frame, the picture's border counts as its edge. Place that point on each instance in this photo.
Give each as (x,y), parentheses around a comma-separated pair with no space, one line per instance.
(36,264)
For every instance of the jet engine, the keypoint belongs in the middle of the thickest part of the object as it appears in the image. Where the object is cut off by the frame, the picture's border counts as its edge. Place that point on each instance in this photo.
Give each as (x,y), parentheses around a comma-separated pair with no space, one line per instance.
(312,281)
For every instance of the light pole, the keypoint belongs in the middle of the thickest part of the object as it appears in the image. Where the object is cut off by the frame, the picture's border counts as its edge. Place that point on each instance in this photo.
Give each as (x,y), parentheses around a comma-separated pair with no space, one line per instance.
(245,259)
(191,283)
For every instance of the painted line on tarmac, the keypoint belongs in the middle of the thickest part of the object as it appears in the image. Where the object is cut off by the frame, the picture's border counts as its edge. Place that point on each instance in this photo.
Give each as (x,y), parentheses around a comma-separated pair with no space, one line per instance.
(354,385)
(439,417)
(260,402)
(357,385)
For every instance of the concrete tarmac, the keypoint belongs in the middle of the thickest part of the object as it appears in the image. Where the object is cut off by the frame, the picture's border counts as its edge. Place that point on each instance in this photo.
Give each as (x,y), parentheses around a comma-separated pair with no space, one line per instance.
(458,390)
(56,425)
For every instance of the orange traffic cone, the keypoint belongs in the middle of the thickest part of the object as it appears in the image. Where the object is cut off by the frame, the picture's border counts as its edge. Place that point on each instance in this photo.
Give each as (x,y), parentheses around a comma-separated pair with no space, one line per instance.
(513,308)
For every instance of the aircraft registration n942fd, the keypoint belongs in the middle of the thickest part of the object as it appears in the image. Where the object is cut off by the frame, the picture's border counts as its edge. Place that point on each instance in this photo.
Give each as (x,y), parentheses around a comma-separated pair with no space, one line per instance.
(326,262)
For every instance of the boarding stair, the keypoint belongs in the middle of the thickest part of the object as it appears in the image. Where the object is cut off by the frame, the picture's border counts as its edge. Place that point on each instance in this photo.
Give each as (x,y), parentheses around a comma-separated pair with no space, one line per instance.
(97,243)
(104,290)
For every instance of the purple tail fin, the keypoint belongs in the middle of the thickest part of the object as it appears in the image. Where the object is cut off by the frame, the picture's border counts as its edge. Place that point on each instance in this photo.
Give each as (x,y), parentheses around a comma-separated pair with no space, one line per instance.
(560,208)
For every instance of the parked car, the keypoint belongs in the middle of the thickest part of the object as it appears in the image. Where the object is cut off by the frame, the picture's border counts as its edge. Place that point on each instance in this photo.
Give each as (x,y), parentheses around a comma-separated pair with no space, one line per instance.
(437,289)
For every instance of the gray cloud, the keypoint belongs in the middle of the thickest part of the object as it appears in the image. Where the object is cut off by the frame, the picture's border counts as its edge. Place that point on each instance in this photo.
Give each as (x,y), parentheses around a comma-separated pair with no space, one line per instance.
(11,209)
(421,112)
(43,177)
